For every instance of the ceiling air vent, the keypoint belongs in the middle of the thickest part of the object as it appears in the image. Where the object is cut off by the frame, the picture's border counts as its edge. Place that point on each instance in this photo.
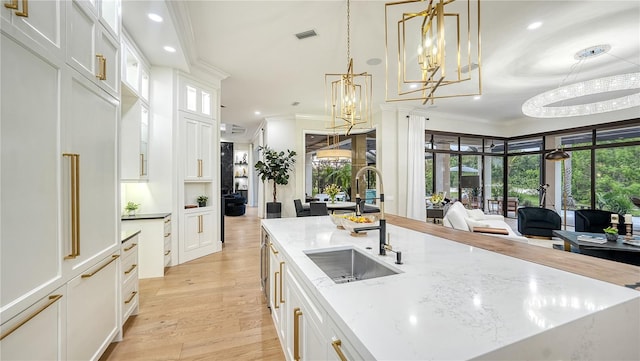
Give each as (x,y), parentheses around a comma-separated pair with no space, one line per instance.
(306,34)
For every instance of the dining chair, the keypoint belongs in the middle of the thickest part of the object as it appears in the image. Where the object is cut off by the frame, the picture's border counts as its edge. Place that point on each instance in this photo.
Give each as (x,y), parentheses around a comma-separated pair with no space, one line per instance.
(318,209)
(300,211)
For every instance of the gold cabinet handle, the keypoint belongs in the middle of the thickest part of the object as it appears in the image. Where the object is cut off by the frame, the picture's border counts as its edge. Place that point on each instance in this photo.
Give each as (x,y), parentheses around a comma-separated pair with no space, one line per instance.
(13,4)
(337,346)
(281,284)
(275,251)
(75,203)
(199,167)
(167,252)
(113,258)
(275,290)
(296,333)
(167,235)
(133,266)
(102,66)
(25,9)
(52,300)
(133,294)
(167,220)
(142,164)
(130,247)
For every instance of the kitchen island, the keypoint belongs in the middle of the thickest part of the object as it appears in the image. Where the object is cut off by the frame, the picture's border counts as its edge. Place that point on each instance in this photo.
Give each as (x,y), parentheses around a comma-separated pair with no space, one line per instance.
(449,301)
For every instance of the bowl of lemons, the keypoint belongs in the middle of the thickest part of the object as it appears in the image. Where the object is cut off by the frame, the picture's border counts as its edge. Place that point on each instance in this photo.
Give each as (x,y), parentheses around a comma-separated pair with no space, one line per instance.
(337,218)
(353,221)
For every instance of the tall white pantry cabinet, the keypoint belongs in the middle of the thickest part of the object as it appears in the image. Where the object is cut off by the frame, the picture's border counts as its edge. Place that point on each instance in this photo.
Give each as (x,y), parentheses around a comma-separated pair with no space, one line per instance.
(59,241)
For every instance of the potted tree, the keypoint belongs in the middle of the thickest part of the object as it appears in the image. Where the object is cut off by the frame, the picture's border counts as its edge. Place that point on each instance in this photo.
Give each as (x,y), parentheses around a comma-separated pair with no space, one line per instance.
(275,167)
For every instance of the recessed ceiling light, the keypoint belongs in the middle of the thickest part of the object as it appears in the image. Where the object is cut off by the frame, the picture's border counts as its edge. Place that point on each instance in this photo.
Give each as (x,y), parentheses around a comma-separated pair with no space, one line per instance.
(155,17)
(534,25)
(256,112)
(170,49)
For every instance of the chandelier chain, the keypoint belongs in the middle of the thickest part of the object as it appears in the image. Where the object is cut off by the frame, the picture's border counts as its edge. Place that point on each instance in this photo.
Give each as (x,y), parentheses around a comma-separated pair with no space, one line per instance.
(348,32)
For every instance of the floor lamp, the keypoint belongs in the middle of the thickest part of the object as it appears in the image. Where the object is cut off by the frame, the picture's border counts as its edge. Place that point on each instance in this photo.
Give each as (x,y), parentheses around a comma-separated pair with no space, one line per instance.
(555,156)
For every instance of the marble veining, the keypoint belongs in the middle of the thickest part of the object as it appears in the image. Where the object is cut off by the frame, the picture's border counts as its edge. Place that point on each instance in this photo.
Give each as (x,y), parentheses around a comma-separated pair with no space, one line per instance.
(454,301)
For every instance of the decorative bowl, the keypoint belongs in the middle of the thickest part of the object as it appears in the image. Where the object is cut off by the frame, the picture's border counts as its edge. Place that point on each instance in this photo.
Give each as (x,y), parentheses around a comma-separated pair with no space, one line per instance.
(337,218)
(349,223)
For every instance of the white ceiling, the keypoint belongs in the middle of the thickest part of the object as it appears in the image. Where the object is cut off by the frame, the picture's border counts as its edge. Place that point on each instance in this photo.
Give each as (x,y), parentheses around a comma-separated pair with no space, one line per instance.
(269,68)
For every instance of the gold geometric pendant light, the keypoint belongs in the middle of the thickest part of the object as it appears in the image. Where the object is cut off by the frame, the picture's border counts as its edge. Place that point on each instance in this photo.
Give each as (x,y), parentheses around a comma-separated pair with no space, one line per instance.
(348,95)
(432,49)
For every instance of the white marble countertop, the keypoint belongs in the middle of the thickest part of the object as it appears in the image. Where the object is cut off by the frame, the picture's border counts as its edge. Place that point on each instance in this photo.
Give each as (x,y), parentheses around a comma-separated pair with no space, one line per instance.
(452,301)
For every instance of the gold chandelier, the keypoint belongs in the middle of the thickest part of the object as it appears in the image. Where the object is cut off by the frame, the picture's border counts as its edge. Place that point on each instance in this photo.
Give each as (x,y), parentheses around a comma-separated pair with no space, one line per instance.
(348,96)
(446,35)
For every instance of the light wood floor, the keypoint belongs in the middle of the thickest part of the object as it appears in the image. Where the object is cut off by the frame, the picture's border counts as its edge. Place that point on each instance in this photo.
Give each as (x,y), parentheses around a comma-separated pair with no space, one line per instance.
(209,309)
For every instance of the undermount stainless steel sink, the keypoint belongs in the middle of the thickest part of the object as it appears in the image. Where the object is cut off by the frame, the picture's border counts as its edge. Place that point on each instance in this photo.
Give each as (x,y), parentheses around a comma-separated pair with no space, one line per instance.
(349,265)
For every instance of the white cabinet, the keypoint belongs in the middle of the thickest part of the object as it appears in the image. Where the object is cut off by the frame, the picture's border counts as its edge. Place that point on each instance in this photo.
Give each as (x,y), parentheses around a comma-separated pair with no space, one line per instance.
(276,291)
(89,174)
(304,327)
(197,99)
(197,142)
(45,317)
(154,246)
(129,274)
(134,140)
(92,310)
(39,21)
(91,48)
(59,179)
(305,338)
(30,91)
(199,238)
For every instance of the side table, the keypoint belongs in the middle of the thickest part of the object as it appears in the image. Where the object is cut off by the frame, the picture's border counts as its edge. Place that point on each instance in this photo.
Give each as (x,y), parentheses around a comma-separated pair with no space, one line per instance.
(436,214)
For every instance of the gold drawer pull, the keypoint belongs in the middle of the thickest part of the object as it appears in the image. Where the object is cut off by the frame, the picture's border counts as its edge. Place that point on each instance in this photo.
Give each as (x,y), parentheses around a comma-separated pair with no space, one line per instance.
(113,258)
(74,178)
(275,289)
(52,300)
(133,294)
(281,284)
(102,66)
(275,251)
(167,252)
(296,333)
(337,347)
(167,235)
(25,9)
(133,266)
(167,220)
(12,5)
(130,247)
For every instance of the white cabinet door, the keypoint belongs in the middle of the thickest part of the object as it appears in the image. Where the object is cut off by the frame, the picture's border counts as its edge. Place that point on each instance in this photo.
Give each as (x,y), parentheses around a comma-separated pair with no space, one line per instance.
(197,147)
(110,11)
(134,140)
(276,291)
(198,239)
(41,22)
(92,310)
(109,48)
(205,142)
(29,116)
(81,38)
(91,49)
(304,336)
(42,324)
(89,175)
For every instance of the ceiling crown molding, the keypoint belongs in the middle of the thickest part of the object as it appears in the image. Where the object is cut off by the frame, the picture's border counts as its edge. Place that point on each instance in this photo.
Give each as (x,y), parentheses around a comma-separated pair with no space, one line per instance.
(180,16)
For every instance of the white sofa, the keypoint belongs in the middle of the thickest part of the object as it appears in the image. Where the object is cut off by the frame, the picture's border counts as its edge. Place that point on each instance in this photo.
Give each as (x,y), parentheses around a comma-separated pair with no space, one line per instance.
(460,218)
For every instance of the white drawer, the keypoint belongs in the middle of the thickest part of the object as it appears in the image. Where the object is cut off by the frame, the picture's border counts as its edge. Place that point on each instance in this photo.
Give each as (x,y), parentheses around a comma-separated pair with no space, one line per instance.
(129,296)
(130,267)
(130,247)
